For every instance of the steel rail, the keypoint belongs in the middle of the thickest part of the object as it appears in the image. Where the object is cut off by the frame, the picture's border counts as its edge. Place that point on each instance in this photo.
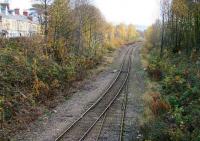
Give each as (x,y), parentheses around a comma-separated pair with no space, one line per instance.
(110,104)
(100,130)
(125,101)
(123,114)
(98,100)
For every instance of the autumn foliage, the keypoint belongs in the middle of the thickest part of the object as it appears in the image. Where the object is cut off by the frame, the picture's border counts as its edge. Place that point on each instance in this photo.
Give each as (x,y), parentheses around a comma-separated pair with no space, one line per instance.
(34,71)
(158,105)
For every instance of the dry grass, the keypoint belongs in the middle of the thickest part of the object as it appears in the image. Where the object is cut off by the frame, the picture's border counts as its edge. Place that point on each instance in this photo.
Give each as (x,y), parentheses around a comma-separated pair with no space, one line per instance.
(108,59)
(147,114)
(158,105)
(151,94)
(144,55)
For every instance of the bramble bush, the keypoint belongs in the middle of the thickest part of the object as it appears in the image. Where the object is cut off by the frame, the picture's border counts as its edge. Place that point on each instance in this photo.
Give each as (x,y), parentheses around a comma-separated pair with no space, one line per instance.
(180,87)
(29,76)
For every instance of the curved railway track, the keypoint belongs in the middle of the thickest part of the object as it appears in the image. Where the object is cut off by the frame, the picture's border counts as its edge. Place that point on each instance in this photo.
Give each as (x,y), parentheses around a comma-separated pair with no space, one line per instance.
(85,123)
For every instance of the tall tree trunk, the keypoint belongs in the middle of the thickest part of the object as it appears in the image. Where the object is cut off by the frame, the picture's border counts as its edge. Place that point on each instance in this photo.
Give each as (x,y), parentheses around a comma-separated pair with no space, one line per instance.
(45,21)
(162,38)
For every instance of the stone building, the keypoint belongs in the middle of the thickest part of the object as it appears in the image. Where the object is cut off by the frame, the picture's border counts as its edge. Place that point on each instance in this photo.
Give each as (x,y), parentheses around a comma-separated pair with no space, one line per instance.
(14,24)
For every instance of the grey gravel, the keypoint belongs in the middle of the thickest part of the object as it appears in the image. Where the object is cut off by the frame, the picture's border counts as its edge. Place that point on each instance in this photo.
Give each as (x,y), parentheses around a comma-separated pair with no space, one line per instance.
(47,128)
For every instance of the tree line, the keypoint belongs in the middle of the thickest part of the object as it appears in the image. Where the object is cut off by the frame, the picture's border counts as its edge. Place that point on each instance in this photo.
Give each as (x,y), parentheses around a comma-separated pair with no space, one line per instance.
(178,27)
(79,26)
(172,61)
(38,70)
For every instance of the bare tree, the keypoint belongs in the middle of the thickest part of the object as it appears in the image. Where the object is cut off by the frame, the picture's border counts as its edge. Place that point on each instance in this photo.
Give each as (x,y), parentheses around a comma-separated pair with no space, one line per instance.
(42,7)
(164,12)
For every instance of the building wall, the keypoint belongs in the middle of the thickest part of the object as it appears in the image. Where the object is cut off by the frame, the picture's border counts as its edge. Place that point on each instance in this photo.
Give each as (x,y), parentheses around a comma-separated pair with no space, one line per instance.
(16,28)
(15,24)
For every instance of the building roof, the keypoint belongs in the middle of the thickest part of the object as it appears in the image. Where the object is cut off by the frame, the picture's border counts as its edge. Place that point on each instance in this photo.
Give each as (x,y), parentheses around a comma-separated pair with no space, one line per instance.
(17,17)
(4,1)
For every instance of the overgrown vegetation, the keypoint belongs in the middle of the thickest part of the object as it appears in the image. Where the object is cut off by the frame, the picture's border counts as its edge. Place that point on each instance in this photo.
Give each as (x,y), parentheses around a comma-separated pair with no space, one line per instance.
(175,103)
(173,65)
(33,71)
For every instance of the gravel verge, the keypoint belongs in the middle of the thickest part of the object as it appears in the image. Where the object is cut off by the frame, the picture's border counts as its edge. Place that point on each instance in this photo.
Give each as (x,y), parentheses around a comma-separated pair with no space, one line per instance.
(48,126)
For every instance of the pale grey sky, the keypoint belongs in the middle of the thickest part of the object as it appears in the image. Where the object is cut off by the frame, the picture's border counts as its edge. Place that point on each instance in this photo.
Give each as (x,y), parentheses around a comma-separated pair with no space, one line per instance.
(22,4)
(139,12)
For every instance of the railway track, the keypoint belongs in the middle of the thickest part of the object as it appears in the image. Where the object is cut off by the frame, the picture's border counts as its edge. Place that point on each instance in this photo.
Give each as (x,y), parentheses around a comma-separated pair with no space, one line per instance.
(84,124)
(112,124)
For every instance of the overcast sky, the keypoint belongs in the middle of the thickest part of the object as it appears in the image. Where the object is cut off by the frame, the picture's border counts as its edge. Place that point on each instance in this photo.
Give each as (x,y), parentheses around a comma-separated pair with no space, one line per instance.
(139,12)
(22,4)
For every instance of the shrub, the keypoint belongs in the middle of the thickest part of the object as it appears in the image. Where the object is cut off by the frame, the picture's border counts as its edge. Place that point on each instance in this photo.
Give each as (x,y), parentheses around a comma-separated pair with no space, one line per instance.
(30,76)
(156,131)
(154,69)
(158,105)
(177,104)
